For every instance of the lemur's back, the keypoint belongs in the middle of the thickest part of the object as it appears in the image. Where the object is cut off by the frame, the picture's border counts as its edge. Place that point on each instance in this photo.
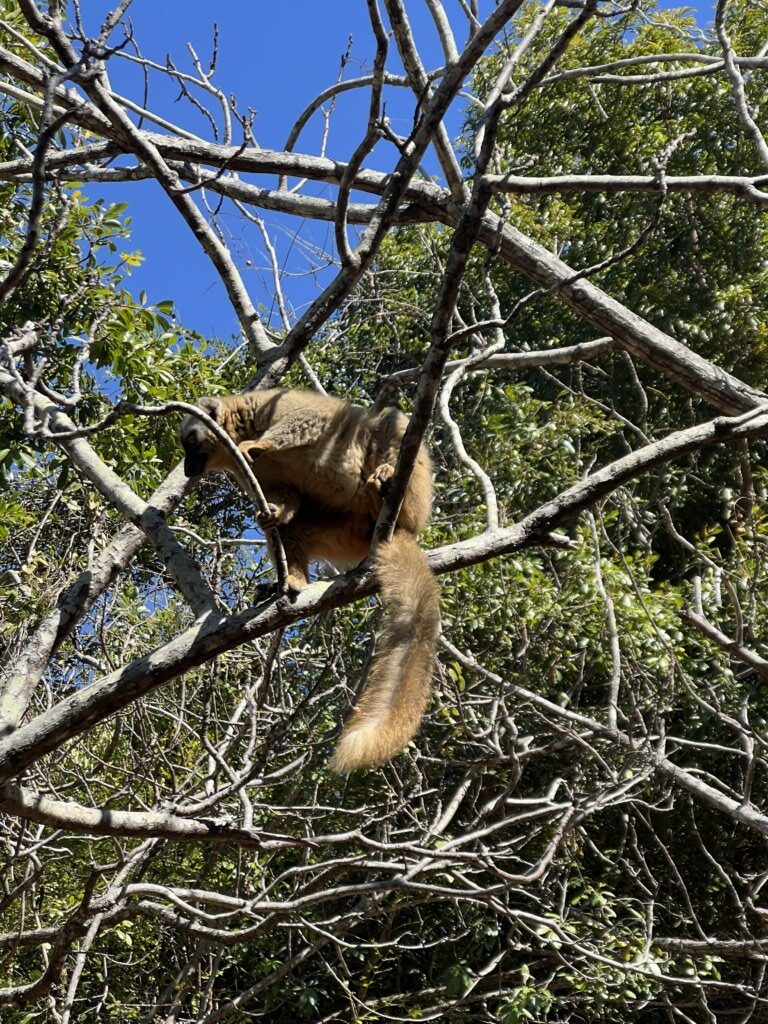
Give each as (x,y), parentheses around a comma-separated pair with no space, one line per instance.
(335,448)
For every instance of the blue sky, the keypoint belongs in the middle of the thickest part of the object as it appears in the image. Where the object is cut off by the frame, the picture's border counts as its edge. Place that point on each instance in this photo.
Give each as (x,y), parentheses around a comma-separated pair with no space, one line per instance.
(275,58)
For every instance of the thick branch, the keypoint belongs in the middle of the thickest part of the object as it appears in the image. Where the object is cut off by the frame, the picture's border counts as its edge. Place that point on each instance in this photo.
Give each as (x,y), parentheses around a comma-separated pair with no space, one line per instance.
(103,821)
(747,186)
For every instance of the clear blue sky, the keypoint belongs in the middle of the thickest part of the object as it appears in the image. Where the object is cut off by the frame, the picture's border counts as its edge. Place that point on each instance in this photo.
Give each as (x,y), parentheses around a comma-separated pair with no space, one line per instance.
(274,57)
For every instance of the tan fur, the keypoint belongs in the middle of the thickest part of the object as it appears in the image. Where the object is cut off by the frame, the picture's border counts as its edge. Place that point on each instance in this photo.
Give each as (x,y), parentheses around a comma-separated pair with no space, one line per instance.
(323,465)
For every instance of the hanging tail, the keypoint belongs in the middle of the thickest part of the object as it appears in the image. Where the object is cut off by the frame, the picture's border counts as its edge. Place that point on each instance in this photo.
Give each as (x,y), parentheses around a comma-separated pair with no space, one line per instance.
(397,690)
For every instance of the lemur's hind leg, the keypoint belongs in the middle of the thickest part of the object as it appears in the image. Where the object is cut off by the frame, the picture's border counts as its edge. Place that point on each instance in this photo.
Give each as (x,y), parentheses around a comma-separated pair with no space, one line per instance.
(284,503)
(340,539)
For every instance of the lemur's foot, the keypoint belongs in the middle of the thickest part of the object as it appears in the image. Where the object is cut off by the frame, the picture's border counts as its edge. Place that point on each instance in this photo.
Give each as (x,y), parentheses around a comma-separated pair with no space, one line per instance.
(269,591)
(264,592)
(379,479)
(295,586)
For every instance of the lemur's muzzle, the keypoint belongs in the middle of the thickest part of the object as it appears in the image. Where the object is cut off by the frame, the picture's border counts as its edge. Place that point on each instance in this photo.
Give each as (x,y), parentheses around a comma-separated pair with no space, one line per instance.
(194,461)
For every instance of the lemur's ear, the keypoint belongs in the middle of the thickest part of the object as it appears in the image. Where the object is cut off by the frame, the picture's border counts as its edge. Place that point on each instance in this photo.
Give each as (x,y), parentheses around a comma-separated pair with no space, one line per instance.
(209,405)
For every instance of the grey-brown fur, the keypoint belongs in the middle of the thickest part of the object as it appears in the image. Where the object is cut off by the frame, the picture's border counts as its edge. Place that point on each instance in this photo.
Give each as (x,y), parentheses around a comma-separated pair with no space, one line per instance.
(323,465)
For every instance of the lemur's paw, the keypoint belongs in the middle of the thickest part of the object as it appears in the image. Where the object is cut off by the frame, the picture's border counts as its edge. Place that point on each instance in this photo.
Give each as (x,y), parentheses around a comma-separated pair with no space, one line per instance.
(295,586)
(269,520)
(380,477)
(269,591)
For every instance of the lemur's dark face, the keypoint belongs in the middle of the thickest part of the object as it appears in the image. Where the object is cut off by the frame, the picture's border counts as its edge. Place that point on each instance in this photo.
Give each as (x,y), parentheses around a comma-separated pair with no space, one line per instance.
(197,440)
(195,457)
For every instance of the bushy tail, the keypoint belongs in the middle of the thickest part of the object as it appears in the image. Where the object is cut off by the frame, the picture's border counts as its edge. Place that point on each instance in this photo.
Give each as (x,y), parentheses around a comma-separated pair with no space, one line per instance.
(397,690)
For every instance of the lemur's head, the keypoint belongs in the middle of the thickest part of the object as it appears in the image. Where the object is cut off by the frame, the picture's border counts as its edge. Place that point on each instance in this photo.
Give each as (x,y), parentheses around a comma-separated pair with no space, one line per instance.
(197,440)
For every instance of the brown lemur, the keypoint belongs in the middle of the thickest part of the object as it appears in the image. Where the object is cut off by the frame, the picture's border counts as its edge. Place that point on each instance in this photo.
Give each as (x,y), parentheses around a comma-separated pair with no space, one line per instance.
(324,465)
